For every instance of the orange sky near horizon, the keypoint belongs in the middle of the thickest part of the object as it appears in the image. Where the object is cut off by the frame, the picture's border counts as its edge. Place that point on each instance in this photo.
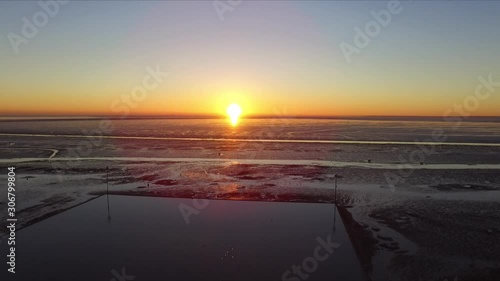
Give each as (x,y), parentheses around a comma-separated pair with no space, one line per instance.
(273,58)
(41,106)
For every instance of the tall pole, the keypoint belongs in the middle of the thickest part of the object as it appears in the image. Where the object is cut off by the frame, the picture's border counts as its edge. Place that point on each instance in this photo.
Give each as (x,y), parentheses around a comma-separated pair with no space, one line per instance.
(335,208)
(107,193)
(107,183)
(336,177)
(335,189)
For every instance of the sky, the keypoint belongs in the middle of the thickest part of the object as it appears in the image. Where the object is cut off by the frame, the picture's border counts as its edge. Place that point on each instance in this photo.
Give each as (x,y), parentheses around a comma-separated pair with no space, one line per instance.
(271,58)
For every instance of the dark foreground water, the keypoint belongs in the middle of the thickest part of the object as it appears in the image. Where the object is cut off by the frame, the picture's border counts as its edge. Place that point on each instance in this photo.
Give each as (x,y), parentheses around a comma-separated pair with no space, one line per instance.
(150,239)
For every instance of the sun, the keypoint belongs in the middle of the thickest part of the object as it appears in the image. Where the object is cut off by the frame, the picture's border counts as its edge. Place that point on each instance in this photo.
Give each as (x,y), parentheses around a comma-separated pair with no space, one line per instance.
(234,112)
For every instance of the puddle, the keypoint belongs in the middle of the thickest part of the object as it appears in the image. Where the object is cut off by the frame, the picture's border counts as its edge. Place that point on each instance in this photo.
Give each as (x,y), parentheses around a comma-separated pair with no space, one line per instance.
(148,238)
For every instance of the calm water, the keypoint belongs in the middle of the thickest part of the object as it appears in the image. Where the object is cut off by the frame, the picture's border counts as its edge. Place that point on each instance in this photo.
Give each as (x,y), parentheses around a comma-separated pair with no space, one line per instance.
(149,237)
(270,129)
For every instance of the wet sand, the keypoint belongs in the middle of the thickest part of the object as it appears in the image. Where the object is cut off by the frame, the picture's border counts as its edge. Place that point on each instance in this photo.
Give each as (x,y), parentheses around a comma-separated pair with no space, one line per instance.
(440,222)
(401,233)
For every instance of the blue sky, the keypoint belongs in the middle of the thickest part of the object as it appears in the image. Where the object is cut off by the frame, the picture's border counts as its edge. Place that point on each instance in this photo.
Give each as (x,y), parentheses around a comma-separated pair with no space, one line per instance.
(265,55)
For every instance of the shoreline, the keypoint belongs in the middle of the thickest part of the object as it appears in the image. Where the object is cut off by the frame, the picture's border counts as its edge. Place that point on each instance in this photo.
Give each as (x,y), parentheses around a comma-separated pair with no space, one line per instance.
(261,140)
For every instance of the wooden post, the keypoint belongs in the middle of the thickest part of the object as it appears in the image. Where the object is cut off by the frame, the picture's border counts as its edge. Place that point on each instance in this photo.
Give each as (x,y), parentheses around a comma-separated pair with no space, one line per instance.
(336,177)
(107,193)
(107,183)
(335,189)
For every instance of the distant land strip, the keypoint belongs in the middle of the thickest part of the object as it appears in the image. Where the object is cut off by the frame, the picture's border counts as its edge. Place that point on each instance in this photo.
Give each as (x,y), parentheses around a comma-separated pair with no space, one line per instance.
(494,119)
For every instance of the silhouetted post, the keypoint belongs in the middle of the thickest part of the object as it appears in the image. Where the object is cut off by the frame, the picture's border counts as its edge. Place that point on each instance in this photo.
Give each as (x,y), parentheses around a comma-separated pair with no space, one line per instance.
(107,184)
(336,177)
(335,208)
(107,192)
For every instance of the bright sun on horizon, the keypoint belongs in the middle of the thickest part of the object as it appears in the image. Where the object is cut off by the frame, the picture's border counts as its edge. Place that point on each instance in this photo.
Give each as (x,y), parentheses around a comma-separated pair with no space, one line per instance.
(234,111)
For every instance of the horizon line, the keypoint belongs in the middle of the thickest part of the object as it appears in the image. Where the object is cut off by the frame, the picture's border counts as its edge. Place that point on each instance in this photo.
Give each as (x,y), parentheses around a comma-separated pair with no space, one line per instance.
(61,117)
